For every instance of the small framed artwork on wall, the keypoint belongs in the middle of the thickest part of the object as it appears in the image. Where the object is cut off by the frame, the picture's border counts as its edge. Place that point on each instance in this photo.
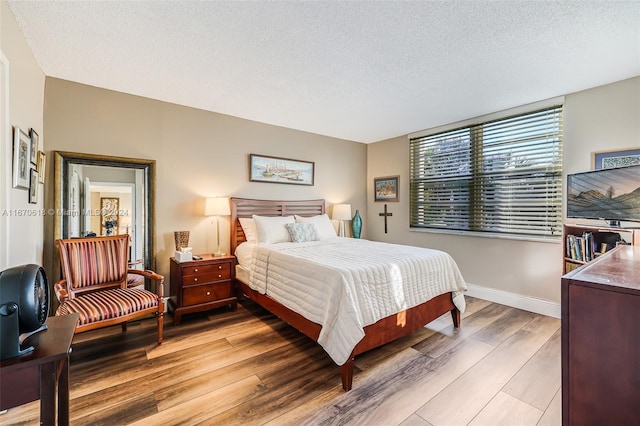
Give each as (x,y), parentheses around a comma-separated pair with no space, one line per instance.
(386,188)
(21,158)
(34,145)
(33,187)
(611,159)
(42,163)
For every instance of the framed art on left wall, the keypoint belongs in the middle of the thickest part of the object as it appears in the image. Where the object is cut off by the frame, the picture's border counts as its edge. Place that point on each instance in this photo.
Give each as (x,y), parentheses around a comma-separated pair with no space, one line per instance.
(21,158)
(33,135)
(33,187)
(42,163)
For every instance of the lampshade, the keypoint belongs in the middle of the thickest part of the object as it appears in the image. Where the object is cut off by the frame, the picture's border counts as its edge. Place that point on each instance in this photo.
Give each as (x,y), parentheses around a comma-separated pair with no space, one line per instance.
(217,206)
(342,211)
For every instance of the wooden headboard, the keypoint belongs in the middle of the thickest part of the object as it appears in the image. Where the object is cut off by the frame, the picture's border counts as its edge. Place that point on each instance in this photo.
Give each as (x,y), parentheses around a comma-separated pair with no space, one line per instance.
(245,207)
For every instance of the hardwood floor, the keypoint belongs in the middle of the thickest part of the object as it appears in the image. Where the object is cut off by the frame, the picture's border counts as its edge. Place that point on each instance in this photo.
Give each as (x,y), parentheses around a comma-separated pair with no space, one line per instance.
(248,367)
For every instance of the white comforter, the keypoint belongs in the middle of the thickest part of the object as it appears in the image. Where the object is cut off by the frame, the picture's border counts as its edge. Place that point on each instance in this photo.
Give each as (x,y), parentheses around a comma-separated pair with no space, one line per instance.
(345,284)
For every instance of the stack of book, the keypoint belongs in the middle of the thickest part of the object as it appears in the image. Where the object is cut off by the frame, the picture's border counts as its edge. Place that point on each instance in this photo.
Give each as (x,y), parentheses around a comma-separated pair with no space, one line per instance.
(588,246)
(581,247)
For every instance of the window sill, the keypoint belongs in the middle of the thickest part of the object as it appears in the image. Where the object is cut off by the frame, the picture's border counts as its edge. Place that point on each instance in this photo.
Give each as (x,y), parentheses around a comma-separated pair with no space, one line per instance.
(553,240)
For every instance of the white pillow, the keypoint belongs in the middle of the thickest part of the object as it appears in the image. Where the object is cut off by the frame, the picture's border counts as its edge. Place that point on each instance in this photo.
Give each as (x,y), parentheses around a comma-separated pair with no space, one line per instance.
(271,229)
(249,228)
(323,225)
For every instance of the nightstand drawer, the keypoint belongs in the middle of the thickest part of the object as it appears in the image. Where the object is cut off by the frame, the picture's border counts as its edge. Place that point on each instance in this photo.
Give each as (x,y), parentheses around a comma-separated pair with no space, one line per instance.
(205,278)
(206,293)
(218,268)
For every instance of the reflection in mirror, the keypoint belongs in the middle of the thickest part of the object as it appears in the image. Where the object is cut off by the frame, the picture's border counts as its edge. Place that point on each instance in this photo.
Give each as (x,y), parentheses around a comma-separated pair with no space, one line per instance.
(103,195)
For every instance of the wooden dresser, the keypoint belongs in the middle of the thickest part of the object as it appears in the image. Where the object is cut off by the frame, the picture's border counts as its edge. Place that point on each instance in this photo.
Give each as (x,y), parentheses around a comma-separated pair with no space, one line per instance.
(200,285)
(601,341)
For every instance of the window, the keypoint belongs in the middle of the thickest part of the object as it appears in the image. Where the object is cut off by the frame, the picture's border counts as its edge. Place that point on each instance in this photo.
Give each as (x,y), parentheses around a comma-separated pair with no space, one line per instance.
(502,176)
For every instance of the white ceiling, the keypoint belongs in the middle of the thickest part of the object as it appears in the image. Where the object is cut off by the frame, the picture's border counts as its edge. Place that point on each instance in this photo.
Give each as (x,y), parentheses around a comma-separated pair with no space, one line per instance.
(357,70)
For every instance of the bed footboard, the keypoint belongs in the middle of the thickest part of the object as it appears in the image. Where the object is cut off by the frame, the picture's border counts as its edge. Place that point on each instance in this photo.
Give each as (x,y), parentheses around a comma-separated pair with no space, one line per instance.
(399,325)
(384,331)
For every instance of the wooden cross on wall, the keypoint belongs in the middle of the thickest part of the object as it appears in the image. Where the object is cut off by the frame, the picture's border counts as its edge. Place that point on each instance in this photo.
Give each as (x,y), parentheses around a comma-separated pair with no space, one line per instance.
(385,214)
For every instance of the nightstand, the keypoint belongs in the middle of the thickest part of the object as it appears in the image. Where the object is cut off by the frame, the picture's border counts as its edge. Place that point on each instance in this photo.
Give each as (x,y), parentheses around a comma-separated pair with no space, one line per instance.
(200,285)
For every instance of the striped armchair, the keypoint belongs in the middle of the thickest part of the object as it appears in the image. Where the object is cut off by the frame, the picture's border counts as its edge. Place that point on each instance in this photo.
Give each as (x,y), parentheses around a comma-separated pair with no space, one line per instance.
(94,283)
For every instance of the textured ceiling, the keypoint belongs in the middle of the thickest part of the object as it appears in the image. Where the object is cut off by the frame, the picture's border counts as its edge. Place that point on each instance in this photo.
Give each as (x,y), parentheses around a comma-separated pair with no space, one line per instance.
(357,70)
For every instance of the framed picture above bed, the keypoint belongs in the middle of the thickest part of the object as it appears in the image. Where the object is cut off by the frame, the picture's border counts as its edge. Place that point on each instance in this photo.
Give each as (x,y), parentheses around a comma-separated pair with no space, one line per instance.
(386,188)
(263,168)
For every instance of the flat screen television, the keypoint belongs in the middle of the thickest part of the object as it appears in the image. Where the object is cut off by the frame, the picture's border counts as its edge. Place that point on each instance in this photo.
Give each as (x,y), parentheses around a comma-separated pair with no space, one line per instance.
(609,194)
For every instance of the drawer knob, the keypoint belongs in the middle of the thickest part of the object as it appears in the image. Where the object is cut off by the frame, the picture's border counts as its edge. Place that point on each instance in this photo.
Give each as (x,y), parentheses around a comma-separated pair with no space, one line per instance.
(196,270)
(219,266)
(195,279)
(208,293)
(219,275)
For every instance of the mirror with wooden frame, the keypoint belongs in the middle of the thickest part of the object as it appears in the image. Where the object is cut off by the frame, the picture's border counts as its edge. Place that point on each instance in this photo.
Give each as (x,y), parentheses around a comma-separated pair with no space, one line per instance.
(82,184)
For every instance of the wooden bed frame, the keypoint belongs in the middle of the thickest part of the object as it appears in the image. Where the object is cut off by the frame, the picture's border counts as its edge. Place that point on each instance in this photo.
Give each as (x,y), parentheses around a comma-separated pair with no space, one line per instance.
(384,331)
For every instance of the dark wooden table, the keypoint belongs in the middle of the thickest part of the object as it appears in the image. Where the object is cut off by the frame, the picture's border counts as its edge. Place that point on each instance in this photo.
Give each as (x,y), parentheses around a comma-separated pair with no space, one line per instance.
(39,374)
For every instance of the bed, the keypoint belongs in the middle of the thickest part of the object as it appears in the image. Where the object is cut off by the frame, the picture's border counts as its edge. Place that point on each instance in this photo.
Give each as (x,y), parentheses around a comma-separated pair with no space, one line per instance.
(383,330)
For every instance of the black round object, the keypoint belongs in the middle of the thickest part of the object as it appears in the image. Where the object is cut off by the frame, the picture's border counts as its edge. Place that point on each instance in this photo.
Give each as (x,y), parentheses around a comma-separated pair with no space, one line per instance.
(27,287)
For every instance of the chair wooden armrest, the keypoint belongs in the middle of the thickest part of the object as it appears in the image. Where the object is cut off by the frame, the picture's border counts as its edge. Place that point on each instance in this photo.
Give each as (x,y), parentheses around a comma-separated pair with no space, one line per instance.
(62,292)
(159,279)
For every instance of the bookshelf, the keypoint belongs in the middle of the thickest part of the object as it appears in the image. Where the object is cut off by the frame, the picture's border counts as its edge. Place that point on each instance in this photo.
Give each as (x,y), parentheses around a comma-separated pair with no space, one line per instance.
(584,243)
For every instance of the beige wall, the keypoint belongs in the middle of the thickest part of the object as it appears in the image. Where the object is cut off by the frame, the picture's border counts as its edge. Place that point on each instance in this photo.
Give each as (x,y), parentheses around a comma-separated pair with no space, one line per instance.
(198,154)
(21,223)
(599,119)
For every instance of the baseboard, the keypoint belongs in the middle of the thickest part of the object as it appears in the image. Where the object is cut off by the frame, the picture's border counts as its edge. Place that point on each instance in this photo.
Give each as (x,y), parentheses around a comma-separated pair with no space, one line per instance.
(527,303)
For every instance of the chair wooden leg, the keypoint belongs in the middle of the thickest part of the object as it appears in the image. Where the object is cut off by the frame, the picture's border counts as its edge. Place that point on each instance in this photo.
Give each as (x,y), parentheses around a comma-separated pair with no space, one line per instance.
(160,325)
(124,327)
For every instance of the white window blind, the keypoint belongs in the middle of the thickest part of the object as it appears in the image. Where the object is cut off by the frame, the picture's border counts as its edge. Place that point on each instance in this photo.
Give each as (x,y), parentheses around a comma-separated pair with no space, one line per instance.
(502,176)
